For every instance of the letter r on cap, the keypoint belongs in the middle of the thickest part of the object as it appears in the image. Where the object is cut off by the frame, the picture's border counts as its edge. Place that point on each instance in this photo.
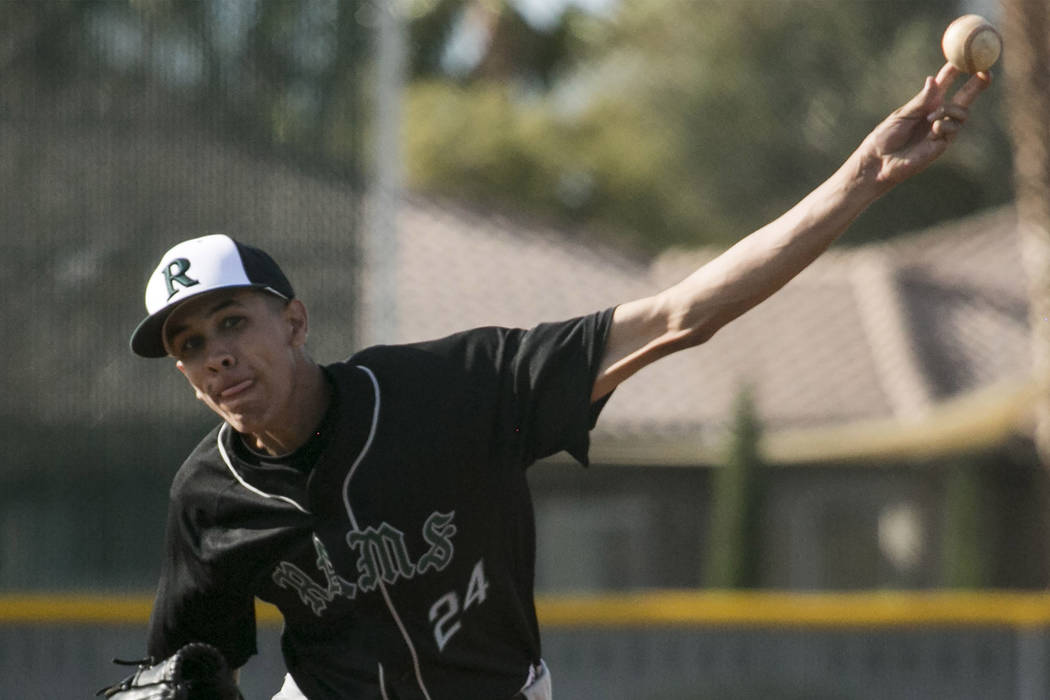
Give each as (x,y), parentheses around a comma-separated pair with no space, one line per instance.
(176,272)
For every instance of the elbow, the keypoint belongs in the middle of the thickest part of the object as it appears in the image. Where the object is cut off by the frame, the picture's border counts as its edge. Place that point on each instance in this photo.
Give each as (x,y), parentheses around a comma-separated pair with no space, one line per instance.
(704,333)
(707,329)
(692,321)
(693,335)
(695,325)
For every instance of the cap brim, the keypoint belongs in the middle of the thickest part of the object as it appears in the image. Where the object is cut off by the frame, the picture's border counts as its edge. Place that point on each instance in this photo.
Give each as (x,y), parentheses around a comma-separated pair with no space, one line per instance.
(147,340)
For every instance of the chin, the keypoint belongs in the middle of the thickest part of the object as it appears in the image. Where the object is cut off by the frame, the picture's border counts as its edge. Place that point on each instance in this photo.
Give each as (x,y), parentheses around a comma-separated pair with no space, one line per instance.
(243,424)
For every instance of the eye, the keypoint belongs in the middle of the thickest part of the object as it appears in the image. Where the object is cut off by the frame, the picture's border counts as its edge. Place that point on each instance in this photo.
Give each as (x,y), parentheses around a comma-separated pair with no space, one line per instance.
(188,345)
(231,322)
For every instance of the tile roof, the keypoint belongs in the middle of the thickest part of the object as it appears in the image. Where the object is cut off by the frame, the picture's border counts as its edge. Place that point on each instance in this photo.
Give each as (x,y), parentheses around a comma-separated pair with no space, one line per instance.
(454,268)
(873,332)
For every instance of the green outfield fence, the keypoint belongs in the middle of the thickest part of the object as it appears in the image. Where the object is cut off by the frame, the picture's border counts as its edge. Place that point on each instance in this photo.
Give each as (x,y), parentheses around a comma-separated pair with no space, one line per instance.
(658,645)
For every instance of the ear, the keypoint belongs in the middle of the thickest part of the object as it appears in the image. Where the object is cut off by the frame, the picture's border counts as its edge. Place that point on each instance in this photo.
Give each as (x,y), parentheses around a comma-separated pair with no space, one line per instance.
(182,368)
(298,322)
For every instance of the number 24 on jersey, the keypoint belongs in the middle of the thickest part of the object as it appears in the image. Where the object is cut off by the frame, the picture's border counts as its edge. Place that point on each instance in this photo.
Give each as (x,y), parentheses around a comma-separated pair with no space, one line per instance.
(445,613)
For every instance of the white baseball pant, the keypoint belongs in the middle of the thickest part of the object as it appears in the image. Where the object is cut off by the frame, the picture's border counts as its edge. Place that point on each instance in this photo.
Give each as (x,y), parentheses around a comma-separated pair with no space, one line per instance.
(537,687)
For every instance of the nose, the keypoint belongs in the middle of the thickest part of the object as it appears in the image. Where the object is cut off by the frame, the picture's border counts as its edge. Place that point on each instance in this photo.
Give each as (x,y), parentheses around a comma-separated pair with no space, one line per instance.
(221,358)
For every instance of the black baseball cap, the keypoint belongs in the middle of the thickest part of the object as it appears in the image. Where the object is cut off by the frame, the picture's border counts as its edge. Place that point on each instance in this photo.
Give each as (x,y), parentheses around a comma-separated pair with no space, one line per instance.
(197,266)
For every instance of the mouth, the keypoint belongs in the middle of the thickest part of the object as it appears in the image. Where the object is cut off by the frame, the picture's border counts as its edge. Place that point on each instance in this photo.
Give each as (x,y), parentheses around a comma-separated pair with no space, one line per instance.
(235,390)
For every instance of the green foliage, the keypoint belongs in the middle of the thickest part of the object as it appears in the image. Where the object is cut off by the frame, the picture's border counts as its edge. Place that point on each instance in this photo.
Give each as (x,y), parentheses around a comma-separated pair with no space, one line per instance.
(964,556)
(734,548)
(692,123)
(517,50)
(482,144)
(429,33)
(672,122)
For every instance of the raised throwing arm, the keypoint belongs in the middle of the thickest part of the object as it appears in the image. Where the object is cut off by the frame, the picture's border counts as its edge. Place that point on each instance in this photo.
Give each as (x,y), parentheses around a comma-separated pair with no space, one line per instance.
(690,312)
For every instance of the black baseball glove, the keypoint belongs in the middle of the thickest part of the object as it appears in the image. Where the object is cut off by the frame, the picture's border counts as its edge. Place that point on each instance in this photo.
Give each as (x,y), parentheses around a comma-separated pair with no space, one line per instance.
(195,672)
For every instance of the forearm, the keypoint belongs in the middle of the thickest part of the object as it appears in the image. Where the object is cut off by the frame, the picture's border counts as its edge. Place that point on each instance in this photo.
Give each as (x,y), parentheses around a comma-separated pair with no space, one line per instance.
(763,262)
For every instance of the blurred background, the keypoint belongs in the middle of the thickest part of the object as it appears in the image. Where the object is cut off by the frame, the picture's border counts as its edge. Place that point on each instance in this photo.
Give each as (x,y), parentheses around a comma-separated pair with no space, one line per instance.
(842,495)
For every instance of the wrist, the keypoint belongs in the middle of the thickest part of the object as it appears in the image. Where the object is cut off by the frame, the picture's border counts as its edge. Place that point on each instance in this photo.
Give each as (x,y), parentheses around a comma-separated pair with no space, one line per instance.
(863,175)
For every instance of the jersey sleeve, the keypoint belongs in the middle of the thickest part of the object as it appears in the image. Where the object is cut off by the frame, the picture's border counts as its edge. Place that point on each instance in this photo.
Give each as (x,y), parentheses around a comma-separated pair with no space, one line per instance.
(524,393)
(198,600)
(552,368)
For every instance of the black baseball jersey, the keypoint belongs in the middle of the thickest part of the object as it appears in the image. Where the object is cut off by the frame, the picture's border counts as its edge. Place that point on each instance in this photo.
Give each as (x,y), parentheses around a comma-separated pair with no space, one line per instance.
(399,543)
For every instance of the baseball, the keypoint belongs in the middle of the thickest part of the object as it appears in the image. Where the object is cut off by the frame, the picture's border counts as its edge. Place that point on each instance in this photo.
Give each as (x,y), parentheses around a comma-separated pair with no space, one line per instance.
(971,44)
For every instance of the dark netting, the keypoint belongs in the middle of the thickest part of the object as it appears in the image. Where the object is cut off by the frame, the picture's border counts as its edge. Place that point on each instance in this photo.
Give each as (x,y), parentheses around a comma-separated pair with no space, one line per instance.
(126,127)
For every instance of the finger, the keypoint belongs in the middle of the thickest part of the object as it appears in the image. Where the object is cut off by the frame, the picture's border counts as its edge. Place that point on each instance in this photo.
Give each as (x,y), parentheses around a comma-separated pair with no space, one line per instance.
(949,111)
(944,129)
(946,76)
(956,112)
(971,89)
(932,93)
(926,100)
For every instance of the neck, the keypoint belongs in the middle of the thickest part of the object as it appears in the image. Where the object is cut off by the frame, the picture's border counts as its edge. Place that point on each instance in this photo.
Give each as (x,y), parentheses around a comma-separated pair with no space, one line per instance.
(311,398)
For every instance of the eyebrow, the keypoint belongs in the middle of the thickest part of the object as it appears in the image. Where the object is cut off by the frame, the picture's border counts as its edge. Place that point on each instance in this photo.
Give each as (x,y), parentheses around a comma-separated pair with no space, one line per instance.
(174,331)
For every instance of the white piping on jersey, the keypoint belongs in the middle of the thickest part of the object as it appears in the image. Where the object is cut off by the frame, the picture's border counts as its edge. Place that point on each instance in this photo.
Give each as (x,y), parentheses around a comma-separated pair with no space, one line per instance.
(229,464)
(408,640)
(353,523)
(382,684)
(364,450)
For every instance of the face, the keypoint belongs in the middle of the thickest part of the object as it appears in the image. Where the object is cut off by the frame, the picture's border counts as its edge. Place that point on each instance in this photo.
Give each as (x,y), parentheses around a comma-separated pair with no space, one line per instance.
(239,350)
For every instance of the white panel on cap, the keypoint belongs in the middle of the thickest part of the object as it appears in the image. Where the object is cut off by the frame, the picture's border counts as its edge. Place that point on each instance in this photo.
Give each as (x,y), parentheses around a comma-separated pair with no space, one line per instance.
(213,263)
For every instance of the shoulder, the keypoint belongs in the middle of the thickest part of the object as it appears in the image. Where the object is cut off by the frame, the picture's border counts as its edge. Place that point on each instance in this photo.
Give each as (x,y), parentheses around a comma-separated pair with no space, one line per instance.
(203,471)
(485,335)
(463,349)
(482,349)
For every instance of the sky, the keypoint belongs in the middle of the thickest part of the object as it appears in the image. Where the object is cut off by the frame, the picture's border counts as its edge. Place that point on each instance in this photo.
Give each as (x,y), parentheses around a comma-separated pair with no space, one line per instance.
(544,13)
(468,41)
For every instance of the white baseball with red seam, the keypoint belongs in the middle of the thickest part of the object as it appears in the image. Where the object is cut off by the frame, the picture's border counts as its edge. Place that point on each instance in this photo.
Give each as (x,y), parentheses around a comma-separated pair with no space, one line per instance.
(971,44)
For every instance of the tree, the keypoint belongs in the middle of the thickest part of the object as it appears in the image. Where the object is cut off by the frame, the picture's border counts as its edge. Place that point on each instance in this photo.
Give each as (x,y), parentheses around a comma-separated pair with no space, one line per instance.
(285,74)
(43,43)
(688,123)
(509,47)
(1026,30)
(734,545)
(964,557)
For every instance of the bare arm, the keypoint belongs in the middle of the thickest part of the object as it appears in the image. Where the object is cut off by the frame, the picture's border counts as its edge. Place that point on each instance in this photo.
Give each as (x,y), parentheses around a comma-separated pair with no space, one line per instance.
(691,311)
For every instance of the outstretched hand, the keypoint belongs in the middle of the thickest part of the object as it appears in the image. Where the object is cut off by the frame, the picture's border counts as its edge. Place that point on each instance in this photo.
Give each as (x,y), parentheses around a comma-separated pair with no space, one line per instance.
(916,134)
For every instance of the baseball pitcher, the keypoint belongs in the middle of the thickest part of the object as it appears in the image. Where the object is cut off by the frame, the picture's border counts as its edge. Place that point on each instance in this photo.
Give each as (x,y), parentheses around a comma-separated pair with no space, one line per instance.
(381,503)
